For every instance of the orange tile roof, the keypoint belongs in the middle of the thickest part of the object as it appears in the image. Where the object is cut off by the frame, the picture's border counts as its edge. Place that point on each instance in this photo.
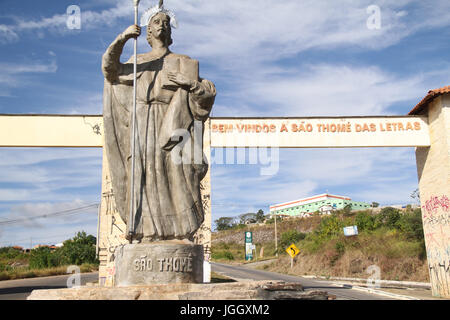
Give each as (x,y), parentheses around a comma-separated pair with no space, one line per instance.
(429,97)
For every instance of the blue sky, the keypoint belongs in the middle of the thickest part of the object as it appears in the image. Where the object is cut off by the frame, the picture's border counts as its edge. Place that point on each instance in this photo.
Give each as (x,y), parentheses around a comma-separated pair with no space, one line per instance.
(266,57)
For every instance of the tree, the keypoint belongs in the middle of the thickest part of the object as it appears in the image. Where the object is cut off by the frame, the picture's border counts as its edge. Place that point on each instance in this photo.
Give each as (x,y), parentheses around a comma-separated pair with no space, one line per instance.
(79,250)
(375,204)
(251,217)
(389,217)
(347,210)
(260,216)
(224,223)
(416,195)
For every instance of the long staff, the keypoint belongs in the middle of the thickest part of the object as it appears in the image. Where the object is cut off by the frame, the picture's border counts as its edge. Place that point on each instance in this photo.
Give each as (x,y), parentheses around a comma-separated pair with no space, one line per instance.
(133,131)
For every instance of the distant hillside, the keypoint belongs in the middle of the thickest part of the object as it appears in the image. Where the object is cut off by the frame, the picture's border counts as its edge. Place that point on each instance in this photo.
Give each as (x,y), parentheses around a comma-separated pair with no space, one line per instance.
(263,233)
(391,240)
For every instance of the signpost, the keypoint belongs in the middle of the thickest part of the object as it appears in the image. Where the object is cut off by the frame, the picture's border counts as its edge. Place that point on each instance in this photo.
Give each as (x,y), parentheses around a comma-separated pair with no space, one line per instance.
(292,250)
(248,246)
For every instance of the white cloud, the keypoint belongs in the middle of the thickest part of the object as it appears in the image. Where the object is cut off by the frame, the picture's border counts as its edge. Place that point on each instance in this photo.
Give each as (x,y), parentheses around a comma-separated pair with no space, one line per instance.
(15,74)
(57,23)
(49,174)
(240,32)
(266,29)
(14,68)
(323,90)
(245,41)
(7,34)
(384,175)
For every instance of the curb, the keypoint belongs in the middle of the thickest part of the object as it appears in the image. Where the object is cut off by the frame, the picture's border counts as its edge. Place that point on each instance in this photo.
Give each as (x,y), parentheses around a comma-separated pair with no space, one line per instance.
(381,283)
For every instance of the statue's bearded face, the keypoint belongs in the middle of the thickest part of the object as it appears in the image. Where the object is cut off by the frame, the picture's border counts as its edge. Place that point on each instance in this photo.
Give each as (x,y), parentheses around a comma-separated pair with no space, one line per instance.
(159,28)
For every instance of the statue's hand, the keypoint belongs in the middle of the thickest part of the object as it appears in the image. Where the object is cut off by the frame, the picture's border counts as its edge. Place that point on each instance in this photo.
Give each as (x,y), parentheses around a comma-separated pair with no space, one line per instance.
(132,31)
(180,79)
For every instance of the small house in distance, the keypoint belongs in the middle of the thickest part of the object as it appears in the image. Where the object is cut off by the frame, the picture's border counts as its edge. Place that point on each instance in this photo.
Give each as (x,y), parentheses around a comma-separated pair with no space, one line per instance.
(51,247)
(322,203)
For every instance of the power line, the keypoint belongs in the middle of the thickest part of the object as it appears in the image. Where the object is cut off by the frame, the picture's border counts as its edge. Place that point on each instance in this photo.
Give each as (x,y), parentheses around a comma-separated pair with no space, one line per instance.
(53,214)
(42,238)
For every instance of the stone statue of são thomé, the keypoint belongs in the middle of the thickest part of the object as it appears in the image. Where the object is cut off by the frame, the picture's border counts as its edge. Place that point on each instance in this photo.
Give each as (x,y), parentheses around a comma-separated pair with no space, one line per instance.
(170,96)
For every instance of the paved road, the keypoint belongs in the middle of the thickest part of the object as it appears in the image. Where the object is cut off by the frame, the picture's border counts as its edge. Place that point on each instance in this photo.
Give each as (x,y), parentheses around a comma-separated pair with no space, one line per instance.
(341,293)
(21,289)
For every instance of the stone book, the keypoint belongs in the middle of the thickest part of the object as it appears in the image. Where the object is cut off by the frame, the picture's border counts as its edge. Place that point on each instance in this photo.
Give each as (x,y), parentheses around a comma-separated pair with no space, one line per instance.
(187,67)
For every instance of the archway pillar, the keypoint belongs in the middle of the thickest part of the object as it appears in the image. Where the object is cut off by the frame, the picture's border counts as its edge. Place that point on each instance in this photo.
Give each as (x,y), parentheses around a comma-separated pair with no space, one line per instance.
(433,168)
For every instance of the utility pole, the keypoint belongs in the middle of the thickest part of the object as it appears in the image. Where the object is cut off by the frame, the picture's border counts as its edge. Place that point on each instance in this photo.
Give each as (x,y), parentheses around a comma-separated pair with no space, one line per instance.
(276,242)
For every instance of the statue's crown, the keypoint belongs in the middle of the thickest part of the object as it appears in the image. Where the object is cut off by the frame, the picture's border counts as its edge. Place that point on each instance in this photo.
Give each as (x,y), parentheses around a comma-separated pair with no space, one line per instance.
(149,13)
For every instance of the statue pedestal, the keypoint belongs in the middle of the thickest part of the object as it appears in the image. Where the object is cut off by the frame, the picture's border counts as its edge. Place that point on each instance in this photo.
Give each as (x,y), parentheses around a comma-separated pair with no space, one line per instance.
(158,262)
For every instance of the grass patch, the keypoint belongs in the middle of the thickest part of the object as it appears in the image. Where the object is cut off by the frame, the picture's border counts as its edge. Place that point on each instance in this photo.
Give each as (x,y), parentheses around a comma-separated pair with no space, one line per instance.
(232,252)
(26,272)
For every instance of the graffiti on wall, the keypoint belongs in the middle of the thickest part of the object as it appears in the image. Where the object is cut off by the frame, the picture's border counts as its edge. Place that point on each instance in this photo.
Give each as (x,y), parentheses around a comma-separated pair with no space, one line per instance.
(203,234)
(435,204)
(436,223)
(440,273)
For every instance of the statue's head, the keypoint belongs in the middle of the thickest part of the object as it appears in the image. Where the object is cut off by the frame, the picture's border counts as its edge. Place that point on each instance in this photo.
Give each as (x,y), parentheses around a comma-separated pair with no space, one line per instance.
(159,28)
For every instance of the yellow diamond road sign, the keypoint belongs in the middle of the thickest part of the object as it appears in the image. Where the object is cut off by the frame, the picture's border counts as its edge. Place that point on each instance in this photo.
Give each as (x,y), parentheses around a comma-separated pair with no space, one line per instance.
(292,250)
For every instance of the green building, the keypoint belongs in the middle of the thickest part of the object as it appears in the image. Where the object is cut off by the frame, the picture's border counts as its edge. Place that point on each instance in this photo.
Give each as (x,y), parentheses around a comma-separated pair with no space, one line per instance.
(323,203)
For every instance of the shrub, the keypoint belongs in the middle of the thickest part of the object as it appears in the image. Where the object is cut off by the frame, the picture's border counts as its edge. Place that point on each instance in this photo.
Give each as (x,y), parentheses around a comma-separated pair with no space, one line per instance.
(290,237)
(228,255)
(365,221)
(389,217)
(41,258)
(340,247)
(11,253)
(222,255)
(411,225)
(5,267)
(272,220)
(79,250)
(329,226)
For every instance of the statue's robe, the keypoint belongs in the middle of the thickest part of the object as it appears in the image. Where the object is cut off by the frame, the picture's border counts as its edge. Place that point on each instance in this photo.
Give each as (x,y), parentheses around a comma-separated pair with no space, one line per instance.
(167,196)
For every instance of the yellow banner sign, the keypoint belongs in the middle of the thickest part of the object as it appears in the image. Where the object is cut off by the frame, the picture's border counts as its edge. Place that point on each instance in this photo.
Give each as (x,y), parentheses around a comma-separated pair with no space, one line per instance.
(385,131)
